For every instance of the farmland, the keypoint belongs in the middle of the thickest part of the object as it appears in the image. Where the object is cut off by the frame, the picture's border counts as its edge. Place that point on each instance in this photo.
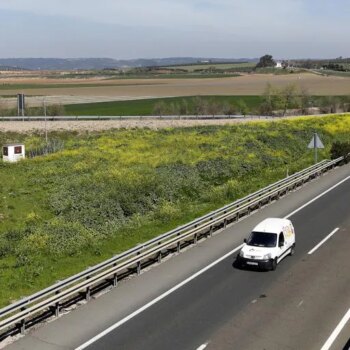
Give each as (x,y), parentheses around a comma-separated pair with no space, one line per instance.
(148,106)
(137,89)
(107,191)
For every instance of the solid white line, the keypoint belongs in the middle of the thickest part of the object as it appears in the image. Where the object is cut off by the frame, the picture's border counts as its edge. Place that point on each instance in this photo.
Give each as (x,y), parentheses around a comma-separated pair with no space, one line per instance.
(173,289)
(317,197)
(336,332)
(203,346)
(154,301)
(323,241)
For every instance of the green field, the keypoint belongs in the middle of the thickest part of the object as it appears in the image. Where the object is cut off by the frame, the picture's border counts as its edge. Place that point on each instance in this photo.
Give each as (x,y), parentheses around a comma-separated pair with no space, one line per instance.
(191,105)
(148,106)
(108,191)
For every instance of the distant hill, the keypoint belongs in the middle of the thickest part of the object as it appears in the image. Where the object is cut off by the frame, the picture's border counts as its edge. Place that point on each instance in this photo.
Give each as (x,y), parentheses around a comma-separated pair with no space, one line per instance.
(101,63)
(10,68)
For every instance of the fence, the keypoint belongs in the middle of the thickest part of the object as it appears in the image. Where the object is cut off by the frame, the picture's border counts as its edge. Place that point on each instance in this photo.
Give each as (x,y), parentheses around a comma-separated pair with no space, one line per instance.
(145,117)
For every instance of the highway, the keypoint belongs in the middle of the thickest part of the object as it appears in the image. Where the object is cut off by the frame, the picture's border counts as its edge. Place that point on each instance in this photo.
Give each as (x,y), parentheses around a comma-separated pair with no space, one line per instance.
(200,300)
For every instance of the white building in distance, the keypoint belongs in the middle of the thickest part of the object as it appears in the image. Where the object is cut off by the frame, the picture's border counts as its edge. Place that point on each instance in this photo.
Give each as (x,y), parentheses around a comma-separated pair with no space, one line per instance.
(278,64)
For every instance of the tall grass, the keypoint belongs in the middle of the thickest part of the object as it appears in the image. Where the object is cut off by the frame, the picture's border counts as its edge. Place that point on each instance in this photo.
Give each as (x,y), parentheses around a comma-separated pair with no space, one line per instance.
(107,191)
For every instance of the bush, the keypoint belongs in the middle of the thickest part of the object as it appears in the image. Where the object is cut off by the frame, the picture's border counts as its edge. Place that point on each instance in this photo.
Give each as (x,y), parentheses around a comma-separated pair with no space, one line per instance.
(341,149)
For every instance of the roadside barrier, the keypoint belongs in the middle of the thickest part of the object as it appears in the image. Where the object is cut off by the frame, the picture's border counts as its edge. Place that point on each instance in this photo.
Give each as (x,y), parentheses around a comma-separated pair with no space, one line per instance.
(52,300)
(137,118)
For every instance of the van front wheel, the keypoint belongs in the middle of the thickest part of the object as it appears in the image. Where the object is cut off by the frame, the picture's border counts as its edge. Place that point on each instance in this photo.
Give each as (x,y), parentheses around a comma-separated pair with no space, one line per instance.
(274,264)
(292,250)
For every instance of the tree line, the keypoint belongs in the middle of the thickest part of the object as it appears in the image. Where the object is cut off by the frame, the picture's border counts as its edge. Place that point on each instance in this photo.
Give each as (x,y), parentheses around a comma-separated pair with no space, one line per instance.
(274,102)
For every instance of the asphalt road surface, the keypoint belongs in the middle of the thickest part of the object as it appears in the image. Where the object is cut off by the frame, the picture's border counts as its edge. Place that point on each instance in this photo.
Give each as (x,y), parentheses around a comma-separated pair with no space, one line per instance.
(226,308)
(173,306)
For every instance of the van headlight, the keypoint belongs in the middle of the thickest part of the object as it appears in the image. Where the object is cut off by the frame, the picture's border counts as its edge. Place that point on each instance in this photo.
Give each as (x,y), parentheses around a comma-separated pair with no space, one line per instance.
(267,256)
(241,254)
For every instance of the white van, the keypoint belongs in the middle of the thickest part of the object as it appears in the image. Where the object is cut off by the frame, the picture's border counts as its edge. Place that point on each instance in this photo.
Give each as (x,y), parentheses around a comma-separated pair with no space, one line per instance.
(270,241)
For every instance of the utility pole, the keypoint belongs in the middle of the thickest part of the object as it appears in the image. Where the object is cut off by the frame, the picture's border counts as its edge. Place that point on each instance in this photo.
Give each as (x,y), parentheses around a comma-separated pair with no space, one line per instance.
(45,120)
(315,147)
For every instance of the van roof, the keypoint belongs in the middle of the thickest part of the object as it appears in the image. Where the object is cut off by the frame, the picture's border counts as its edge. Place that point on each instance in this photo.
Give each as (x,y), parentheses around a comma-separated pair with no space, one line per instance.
(272,225)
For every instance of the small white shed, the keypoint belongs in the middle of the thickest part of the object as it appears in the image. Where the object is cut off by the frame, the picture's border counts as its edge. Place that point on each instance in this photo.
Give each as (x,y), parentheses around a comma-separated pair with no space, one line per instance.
(13,152)
(279,65)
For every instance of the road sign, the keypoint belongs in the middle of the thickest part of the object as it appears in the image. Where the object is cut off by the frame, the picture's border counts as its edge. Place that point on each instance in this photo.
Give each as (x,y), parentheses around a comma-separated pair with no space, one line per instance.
(315,143)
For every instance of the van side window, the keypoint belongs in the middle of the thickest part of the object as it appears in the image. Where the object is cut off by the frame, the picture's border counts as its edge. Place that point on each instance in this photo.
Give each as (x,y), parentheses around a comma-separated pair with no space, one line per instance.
(281,239)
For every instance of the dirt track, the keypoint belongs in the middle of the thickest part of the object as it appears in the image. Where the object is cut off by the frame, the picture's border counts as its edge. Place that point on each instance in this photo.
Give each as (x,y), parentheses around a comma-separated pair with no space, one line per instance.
(88,126)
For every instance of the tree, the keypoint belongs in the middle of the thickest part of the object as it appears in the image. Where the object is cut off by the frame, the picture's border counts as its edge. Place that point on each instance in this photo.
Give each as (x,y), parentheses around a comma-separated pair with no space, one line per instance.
(289,97)
(55,110)
(159,108)
(304,101)
(242,107)
(272,100)
(228,108)
(266,61)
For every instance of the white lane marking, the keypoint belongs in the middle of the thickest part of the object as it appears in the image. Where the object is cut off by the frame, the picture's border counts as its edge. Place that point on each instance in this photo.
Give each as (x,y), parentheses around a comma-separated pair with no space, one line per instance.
(162,296)
(301,303)
(323,241)
(317,197)
(203,346)
(154,301)
(336,332)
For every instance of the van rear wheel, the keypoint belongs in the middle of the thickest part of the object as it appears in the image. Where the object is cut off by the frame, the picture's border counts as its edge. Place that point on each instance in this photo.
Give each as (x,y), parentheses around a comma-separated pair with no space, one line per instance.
(274,264)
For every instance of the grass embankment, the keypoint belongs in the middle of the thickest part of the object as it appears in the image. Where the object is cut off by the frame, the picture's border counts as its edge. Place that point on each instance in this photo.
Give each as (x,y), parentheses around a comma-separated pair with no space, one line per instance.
(148,106)
(106,192)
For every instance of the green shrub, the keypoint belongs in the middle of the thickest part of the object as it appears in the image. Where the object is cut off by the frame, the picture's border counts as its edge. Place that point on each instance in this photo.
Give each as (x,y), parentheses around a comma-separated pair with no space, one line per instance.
(341,149)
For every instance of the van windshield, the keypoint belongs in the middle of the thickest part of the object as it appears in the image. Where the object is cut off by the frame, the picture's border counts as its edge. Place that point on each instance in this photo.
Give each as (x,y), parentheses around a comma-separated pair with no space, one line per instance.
(262,239)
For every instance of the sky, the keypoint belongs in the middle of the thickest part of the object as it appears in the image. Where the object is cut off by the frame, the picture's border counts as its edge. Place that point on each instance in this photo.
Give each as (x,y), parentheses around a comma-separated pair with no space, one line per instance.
(174,28)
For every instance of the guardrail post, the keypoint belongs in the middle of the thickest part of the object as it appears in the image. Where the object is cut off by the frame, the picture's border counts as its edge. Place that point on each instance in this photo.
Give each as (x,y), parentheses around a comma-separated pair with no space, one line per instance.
(115,280)
(225,223)
(159,257)
(88,294)
(57,305)
(195,238)
(23,326)
(211,230)
(178,247)
(138,264)
(88,291)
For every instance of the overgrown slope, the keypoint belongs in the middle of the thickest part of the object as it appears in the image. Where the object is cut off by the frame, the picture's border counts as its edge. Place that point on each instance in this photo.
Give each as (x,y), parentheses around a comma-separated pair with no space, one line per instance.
(106,192)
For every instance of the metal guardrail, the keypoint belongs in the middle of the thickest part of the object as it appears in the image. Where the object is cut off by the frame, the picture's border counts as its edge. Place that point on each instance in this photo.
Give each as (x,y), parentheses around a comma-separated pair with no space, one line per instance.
(144,117)
(51,300)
